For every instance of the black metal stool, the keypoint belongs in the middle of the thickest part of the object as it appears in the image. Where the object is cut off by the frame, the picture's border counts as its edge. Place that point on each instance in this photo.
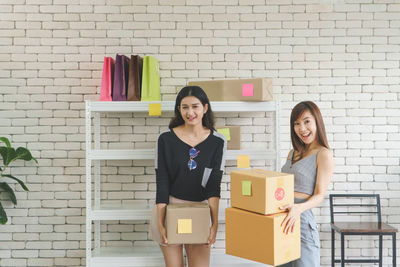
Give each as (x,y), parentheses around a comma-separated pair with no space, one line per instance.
(361,204)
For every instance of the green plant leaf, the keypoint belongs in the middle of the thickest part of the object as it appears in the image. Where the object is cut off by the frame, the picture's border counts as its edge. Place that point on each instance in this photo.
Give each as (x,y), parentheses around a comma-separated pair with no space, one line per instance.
(25,154)
(8,154)
(8,189)
(5,140)
(3,215)
(16,179)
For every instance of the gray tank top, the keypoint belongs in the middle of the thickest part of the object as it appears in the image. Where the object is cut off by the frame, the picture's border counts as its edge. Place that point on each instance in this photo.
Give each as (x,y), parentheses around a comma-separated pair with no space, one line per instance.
(305,173)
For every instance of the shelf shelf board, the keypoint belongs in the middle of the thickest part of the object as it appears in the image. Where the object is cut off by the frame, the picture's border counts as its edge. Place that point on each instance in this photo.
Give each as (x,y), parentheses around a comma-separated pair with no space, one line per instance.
(137,212)
(217,106)
(152,256)
(219,257)
(121,212)
(137,154)
(127,256)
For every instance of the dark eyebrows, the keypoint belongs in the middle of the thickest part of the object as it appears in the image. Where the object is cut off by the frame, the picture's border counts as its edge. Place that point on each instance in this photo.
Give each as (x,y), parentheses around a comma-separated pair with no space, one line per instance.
(306,118)
(193,105)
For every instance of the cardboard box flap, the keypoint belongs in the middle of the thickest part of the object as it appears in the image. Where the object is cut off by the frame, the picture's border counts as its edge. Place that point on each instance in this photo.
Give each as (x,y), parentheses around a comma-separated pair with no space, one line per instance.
(188,205)
(260,173)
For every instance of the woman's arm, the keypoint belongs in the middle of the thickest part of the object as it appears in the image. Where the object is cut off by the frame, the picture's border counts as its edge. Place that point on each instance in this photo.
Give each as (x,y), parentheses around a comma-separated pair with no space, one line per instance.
(162,177)
(162,194)
(161,210)
(325,165)
(213,202)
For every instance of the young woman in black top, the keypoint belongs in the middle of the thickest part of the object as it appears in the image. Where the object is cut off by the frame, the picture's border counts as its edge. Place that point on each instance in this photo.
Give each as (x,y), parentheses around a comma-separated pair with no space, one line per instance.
(189,166)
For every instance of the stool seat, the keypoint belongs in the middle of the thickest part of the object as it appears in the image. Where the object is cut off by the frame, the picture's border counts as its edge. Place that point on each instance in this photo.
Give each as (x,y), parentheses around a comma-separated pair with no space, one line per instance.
(363,227)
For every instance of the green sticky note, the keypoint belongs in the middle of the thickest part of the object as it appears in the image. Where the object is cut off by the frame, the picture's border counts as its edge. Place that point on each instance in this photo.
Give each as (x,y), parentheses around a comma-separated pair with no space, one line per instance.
(155,109)
(246,188)
(226,132)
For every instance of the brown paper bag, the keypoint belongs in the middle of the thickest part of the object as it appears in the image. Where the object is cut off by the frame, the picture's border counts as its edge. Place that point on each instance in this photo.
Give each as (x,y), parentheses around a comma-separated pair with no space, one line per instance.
(135,78)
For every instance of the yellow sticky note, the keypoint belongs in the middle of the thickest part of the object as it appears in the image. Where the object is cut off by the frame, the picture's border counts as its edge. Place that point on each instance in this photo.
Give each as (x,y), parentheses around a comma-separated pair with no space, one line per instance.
(184,226)
(155,109)
(226,132)
(246,188)
(243,161)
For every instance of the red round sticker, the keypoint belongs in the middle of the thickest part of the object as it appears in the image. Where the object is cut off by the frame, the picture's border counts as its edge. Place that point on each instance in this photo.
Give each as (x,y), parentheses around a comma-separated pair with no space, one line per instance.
(279,193)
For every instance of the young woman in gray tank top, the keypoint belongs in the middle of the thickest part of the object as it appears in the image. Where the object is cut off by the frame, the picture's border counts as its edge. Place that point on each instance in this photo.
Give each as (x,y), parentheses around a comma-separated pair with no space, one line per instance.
(312,164)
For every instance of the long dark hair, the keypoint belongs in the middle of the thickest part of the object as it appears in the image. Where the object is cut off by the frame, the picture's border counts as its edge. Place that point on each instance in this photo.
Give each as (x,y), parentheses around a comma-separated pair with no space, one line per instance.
(196,91)
(297,111)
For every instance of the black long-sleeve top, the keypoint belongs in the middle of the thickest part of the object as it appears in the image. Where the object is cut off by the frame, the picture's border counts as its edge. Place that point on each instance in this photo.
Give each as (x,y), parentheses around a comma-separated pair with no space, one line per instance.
(174,176)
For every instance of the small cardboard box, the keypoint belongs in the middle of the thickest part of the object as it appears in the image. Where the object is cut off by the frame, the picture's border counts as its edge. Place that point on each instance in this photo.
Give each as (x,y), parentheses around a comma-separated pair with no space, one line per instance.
(257,89)
(260,237)
(261,191)
(188,223)
(232,134)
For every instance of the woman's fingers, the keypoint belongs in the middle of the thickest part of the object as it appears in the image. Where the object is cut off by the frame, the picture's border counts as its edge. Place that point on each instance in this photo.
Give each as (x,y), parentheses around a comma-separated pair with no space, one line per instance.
(284,222)
(163,234)
(289,225)
(284,207)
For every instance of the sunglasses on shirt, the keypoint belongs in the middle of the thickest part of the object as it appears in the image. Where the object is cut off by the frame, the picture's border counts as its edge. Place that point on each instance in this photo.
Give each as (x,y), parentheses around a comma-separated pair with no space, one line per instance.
(193,152)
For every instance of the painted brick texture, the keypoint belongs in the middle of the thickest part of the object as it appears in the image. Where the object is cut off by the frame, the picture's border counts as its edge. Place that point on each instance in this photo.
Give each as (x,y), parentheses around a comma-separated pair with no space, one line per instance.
(342,54)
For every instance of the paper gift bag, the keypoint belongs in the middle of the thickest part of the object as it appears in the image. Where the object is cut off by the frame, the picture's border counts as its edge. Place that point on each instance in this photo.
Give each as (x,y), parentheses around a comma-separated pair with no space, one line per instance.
(107,79)
(120,78)
(135,78)
(150,80)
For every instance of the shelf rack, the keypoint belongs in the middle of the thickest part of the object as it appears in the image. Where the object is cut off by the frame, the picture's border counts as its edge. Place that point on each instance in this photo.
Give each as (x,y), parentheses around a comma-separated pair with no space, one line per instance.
(95,212)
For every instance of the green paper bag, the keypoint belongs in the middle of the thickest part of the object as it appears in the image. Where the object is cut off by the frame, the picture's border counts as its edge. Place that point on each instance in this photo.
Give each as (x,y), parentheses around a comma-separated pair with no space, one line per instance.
(150,80)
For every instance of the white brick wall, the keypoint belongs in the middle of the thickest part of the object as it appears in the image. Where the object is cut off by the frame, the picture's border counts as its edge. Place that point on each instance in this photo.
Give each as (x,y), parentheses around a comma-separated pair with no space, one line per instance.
(344,55)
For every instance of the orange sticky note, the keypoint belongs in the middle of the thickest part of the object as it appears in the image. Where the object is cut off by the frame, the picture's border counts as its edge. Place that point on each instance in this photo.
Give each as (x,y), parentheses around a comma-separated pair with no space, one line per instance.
(155,109)
(243,161)
(184,226)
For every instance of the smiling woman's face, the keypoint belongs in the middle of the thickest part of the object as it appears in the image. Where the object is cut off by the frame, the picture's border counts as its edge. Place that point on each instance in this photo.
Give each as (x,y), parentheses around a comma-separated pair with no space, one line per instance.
(305,128)
(192,110)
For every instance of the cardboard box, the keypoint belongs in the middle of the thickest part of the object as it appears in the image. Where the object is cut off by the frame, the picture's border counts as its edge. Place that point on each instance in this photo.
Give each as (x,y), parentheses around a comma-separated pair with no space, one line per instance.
(261,191)
(258,89)
(232,134)
(188,223)
(260,237)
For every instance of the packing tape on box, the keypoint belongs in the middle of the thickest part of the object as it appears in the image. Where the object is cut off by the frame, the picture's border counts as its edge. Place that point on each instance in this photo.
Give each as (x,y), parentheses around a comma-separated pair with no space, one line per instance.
(280,182)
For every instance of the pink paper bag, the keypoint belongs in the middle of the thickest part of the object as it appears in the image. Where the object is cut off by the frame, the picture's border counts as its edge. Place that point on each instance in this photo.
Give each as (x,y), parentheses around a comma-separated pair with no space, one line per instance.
(107,79)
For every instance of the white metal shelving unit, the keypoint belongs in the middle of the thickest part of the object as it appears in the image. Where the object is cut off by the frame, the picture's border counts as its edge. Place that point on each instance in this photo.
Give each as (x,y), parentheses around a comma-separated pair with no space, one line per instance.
(95,212)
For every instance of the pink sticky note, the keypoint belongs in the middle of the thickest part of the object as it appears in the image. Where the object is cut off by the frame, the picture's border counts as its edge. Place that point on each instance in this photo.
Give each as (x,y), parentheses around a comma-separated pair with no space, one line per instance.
(247,89)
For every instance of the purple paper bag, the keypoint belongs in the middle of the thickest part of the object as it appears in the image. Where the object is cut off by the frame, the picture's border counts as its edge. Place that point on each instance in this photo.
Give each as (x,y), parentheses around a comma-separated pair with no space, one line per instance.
(121,75)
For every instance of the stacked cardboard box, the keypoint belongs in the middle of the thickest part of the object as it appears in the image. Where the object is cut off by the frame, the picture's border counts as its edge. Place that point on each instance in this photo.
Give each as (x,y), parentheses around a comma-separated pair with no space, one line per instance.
(253,224)
(188,223)
(257,89)
(232,135)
